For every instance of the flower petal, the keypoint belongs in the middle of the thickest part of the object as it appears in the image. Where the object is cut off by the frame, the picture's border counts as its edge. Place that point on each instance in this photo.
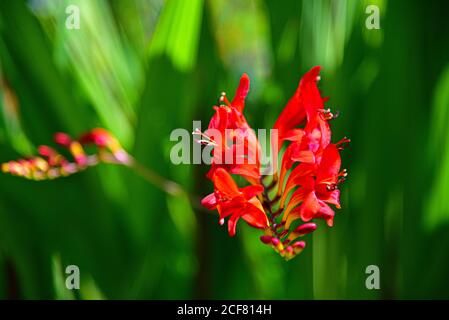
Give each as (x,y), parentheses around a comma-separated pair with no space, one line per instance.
(307,98)
(209,201)
(330,165)
(232,223)
(242,91)
(255,217)
(252,191)
(309,207)
(224,183)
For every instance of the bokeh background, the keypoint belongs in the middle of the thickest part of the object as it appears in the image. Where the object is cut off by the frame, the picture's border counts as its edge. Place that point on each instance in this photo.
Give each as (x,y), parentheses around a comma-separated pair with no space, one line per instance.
(141,68)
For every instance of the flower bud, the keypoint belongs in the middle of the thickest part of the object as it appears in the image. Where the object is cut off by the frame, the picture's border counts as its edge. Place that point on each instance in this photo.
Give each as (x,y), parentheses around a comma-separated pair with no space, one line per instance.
(305,228)
(266,239)
(62,139)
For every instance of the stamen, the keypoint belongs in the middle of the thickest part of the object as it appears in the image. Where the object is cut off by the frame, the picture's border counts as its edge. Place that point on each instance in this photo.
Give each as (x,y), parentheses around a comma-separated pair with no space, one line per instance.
(343,143)
(343,173)
(224,99)
(206,141)
(327,115)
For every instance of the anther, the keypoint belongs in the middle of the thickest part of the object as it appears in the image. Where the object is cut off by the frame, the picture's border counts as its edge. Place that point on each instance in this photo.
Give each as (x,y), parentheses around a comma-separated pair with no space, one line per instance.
(327,115)
(224,99)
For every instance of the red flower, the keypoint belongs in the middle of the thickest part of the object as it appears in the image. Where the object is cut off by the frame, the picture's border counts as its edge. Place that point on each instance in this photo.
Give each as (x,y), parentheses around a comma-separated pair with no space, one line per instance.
(304,103)
(316,190)
(232,138)
(309,174)
(234,202)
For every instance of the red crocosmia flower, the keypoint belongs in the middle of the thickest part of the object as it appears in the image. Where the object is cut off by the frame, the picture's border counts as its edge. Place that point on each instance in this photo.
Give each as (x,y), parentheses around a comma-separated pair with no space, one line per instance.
(303,104)
(235,203)
(306,105)
(306,185)
(316,192)
(235,146)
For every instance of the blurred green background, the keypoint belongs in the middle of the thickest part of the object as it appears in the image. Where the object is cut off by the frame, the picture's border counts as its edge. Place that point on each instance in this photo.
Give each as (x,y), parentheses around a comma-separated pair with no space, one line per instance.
(144,67)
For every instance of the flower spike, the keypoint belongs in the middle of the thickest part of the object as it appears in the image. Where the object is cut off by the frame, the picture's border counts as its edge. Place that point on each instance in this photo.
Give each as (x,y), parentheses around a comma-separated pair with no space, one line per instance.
(51,164)
(309,171)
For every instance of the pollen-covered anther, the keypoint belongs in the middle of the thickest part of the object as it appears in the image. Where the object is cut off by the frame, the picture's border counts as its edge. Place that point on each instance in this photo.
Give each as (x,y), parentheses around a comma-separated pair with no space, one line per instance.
(342,176)
(327,115)
(224,99)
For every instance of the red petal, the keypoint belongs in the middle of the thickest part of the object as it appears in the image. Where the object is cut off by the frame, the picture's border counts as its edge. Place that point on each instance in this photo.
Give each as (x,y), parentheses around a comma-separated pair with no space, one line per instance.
(306,98)
(224,183)
(219,120)
(252,191)
(326,213)
(332,197)
(246,170)
(310,207)
(305,156)
(209,201)
(330,165)
(232,223)
(294,135)
(255,217)
(242,91)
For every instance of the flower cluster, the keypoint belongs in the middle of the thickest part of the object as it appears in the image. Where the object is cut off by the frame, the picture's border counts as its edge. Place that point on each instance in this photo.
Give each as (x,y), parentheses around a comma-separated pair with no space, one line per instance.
(51,164)
(285,203)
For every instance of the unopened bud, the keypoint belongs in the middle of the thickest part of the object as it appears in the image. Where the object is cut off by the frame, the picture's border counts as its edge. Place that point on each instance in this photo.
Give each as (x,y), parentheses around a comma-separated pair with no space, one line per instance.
(305,228)
(299,244)
(266,239)
(62,139)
